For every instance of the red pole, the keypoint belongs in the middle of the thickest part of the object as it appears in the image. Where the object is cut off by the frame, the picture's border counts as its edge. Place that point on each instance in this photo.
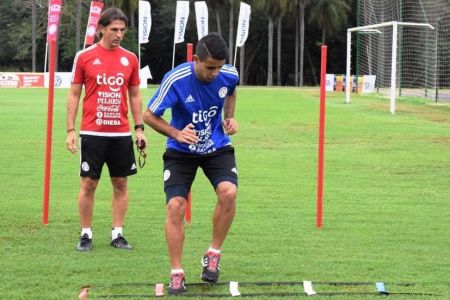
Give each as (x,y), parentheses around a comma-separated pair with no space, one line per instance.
(189,51)
(48,144)
(323,72)
(188,209)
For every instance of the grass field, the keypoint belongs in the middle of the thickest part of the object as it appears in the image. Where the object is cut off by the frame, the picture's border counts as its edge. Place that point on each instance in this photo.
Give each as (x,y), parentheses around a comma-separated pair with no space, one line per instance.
(386,213)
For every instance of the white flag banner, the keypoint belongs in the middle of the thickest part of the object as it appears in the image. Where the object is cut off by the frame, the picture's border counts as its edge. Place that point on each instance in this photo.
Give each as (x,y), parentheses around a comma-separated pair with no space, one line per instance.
(145,21)
(201,14)
(144,75)
(243,24)
(181,19)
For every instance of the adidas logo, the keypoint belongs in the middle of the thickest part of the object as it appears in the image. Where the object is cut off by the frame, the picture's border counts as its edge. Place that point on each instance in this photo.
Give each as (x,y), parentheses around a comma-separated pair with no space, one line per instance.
(133,166)
(97,62)
(189,99)
(234,170)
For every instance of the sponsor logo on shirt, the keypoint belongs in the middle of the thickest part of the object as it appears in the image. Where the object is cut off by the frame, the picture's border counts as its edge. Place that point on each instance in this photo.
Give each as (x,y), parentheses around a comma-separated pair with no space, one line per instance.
(189,99)
(204,116)
(114,82)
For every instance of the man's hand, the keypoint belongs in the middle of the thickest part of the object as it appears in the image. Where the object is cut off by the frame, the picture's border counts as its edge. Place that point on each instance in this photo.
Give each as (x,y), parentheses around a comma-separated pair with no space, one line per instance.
(71,141)
(141,141)
(230,126)
(187,135)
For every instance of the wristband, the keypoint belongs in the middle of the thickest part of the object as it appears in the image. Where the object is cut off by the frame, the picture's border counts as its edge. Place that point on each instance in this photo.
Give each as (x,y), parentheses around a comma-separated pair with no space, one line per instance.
(139,126)
(71,129)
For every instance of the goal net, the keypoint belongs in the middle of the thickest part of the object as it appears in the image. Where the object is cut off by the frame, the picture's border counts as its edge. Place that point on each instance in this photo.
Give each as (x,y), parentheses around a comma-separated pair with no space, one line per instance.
(421,40)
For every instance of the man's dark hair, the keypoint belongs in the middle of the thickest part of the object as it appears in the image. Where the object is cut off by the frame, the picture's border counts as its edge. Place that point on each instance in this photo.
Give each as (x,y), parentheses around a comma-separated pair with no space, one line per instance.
(212,45)
(110,15)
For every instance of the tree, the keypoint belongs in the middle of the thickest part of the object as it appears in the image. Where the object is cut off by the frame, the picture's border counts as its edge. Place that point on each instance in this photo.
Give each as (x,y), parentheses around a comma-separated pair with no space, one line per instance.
(217,6)
(298,7)
(78,27)
(330,15)
(33,36)
(273,9)
(283,8)
(233,4)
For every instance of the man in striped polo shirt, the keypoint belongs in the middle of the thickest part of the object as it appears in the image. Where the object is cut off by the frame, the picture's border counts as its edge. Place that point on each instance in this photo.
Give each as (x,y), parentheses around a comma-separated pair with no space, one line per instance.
(199,94)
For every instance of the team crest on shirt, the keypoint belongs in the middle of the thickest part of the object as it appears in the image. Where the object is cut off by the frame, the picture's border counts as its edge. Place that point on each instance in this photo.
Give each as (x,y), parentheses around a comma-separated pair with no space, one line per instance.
(124,61)
(223,92)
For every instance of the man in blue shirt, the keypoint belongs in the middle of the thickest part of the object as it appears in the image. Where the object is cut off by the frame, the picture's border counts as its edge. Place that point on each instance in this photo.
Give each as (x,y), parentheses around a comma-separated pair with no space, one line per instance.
(202,97)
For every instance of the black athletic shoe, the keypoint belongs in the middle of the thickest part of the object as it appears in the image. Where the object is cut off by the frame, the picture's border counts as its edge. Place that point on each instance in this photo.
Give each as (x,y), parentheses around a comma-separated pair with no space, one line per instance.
(121,243)
(85,243)
(211,267)
(177,284)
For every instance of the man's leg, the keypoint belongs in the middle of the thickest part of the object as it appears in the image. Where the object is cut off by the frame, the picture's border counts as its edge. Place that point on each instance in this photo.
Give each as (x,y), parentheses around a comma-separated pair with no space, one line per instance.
(176,209)
(119,210)
(86,200)
(119,201)
(224,212)
(222,218)
(86,208)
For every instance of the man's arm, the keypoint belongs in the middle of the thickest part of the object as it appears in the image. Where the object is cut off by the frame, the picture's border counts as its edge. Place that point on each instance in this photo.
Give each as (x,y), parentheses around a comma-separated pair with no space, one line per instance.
(229,123)
(136,112)
(187,135)
(73,100)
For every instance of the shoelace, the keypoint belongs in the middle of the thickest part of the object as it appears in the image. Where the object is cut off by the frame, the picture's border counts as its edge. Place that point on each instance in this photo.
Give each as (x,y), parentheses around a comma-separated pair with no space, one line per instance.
(121,239)
(84,239)
(212,262)
(177,281)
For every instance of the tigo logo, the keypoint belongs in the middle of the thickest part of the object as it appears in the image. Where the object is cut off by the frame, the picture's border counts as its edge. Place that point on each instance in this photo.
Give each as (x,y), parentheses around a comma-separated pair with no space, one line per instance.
(114,82)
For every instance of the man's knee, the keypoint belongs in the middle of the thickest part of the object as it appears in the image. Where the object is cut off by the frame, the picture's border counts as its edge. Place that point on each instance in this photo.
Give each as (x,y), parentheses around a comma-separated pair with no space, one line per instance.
(120,184)
(176,208)
(226,196)
(226,191)
(88,185)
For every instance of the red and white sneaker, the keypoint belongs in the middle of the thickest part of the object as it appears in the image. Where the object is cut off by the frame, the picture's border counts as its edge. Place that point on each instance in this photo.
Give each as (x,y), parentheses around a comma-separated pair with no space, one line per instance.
(177,284)
(211,267)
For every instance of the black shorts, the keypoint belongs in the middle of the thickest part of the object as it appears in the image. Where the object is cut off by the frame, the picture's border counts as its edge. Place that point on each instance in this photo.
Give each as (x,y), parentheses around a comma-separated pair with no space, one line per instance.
(180,170)
(117,153)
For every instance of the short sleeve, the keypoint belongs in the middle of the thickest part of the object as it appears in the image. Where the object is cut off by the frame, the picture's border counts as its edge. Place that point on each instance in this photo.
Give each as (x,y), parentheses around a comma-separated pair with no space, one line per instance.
(134,78)
(165,97)
(78,70)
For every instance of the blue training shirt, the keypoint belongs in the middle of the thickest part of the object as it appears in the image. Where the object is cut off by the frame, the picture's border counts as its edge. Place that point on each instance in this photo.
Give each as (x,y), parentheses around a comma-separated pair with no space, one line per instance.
(196,102)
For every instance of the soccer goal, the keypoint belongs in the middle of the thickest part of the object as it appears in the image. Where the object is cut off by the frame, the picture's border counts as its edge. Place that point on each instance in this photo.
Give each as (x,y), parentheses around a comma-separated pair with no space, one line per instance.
(383,50)
(422,57)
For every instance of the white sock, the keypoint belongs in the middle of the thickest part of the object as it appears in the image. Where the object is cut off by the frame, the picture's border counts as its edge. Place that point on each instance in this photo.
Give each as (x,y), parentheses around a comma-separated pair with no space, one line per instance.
(211,249)
(87,230)
(175,271)
(115,232)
